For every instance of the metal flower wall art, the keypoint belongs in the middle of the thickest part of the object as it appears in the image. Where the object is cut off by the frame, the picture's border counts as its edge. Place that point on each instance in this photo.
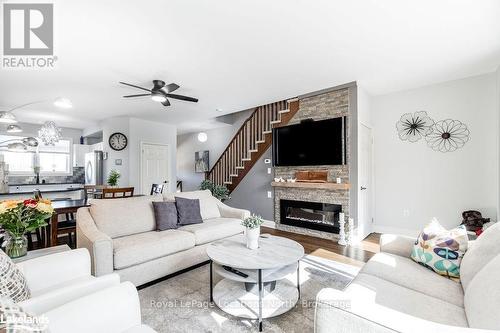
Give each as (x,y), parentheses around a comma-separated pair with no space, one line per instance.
(414,126)
(448,135)
(445,136)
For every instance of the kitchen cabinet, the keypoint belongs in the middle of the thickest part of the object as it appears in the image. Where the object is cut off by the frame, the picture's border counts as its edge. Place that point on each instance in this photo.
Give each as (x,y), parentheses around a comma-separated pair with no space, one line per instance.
(79,152)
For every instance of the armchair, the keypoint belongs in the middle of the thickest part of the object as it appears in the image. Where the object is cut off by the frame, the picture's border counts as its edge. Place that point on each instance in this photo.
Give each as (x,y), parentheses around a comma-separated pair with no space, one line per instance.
(59,278)
(113,310)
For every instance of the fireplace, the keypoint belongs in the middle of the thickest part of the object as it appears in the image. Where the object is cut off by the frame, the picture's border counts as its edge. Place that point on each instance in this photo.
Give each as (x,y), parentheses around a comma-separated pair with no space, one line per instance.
(310,215)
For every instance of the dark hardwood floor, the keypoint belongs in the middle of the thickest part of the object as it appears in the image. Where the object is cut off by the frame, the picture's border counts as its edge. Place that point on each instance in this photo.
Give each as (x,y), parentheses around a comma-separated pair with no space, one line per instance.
(354,255)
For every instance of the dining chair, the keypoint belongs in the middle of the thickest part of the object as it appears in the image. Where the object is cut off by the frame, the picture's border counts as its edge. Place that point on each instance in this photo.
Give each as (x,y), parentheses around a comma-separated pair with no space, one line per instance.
(157,188)
(68,226)
(117,192)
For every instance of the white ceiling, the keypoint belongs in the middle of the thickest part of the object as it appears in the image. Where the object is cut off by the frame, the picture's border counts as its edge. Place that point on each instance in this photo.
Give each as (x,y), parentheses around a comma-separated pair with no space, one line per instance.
(235,54)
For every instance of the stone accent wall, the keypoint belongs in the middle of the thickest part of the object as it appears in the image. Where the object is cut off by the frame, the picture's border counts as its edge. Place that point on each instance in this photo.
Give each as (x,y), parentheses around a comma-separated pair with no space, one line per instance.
(325,106)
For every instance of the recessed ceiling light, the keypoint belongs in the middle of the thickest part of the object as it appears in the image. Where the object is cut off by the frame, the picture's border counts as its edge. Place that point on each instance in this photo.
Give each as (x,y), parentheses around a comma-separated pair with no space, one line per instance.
(7,117)
(14,129)
(202,137)
(63,103)
(218,110)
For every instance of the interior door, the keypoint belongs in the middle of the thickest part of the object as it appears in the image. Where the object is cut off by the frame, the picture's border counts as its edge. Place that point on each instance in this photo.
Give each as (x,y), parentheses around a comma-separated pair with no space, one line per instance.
(365,198)
(154,166)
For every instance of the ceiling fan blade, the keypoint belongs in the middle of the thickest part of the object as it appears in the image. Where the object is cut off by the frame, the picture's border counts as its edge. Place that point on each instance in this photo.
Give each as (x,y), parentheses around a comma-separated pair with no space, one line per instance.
(131,85)
(137,95)
(171,87)
(166,103)
(183,98)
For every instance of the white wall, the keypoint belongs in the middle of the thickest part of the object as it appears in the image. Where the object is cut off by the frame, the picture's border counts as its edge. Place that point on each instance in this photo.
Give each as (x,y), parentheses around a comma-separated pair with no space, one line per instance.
(498,139)
(415,183)
(108,127)
(188,144)
(137,131)
(150,132)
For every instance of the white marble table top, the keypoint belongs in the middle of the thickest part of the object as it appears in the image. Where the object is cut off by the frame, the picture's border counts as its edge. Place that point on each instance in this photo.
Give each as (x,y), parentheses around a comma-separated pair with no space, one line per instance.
(273,252)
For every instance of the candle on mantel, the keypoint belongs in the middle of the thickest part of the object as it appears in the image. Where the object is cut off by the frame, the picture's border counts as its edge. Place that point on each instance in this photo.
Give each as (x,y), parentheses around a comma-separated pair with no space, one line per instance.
(341,217)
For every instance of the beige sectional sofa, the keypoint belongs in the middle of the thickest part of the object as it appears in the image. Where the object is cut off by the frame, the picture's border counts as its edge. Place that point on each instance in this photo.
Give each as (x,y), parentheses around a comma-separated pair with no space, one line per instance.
(394,294)
(121,236)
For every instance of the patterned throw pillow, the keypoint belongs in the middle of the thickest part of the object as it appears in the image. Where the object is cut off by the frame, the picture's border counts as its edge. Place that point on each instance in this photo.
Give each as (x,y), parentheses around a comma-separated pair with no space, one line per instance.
(14,319)
(441,250)
(12,282)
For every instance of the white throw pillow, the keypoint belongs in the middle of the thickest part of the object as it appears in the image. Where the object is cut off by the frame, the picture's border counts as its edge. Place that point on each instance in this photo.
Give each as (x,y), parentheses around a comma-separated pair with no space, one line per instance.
(13,284)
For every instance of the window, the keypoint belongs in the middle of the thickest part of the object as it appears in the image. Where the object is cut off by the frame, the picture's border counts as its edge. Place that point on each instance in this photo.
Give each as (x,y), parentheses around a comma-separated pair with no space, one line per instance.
(53,160)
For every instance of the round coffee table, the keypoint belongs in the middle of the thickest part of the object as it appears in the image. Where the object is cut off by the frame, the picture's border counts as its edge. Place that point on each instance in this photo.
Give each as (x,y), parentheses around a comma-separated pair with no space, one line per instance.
(263,292)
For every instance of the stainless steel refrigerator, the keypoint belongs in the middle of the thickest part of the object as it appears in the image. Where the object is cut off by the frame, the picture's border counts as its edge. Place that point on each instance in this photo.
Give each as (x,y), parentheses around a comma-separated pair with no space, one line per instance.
(94,168)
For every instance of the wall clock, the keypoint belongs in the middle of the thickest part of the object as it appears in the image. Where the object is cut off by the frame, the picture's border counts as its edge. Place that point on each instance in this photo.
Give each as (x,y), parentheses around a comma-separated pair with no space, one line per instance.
(118,141)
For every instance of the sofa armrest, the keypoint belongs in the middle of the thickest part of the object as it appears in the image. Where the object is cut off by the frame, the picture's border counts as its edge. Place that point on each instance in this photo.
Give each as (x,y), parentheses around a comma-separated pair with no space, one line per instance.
(112,310)
(397,244)
(57,297)
(54,269)
(237,213)
(99,245)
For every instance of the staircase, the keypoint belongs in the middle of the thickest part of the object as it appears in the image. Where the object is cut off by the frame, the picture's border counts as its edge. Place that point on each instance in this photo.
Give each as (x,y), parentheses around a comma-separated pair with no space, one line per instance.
(250,142)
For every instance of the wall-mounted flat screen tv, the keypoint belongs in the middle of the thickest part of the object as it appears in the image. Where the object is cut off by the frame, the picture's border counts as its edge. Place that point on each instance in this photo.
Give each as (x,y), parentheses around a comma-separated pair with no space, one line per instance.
(310,143)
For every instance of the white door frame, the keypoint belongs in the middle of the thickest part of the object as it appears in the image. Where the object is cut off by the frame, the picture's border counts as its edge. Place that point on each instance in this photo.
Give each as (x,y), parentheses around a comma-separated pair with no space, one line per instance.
(372,171)
(142,143)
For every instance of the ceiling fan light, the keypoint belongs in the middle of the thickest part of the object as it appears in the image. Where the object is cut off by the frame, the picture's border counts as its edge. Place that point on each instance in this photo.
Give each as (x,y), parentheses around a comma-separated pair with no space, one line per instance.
(7,117)
(158,97)
(14,129)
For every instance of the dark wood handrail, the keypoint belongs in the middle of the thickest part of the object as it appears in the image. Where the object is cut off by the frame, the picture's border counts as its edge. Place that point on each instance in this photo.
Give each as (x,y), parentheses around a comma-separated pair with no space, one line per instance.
(234,138)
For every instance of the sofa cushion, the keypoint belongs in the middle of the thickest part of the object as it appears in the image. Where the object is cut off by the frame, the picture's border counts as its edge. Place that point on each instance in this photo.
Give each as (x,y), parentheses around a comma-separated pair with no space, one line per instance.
(482,297)
(135,249)
(407,273)
(441,250)
(123,217)
(481,251)
(214,229)
(208,204)
(165,215)
(188,211)
(380,300)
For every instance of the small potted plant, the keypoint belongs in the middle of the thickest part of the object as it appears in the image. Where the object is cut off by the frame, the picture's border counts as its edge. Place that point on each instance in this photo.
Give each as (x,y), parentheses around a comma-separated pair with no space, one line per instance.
(113,178)
(252,231)
(19,217)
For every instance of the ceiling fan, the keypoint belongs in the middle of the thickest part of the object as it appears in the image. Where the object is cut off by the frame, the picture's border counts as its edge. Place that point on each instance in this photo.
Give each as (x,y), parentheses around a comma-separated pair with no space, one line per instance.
(160,92)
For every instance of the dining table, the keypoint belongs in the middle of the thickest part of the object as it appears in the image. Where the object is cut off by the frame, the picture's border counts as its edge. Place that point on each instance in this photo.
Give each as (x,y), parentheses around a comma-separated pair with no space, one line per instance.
(66,206)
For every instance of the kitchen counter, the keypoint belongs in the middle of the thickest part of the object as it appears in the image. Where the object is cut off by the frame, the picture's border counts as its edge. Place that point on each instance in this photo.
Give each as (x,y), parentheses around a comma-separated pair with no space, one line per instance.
(49,191)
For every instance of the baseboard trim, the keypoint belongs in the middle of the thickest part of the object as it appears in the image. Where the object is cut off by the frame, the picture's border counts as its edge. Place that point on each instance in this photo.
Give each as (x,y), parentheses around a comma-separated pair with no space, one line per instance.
(149,284)
(384,229)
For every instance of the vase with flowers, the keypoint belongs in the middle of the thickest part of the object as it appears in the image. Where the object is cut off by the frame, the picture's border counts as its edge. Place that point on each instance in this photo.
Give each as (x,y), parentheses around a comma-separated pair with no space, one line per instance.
(19,217)
(252,230)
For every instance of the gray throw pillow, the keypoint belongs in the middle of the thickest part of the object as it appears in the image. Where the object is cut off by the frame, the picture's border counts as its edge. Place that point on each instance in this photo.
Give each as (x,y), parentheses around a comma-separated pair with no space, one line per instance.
(188,211)
(165,215)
